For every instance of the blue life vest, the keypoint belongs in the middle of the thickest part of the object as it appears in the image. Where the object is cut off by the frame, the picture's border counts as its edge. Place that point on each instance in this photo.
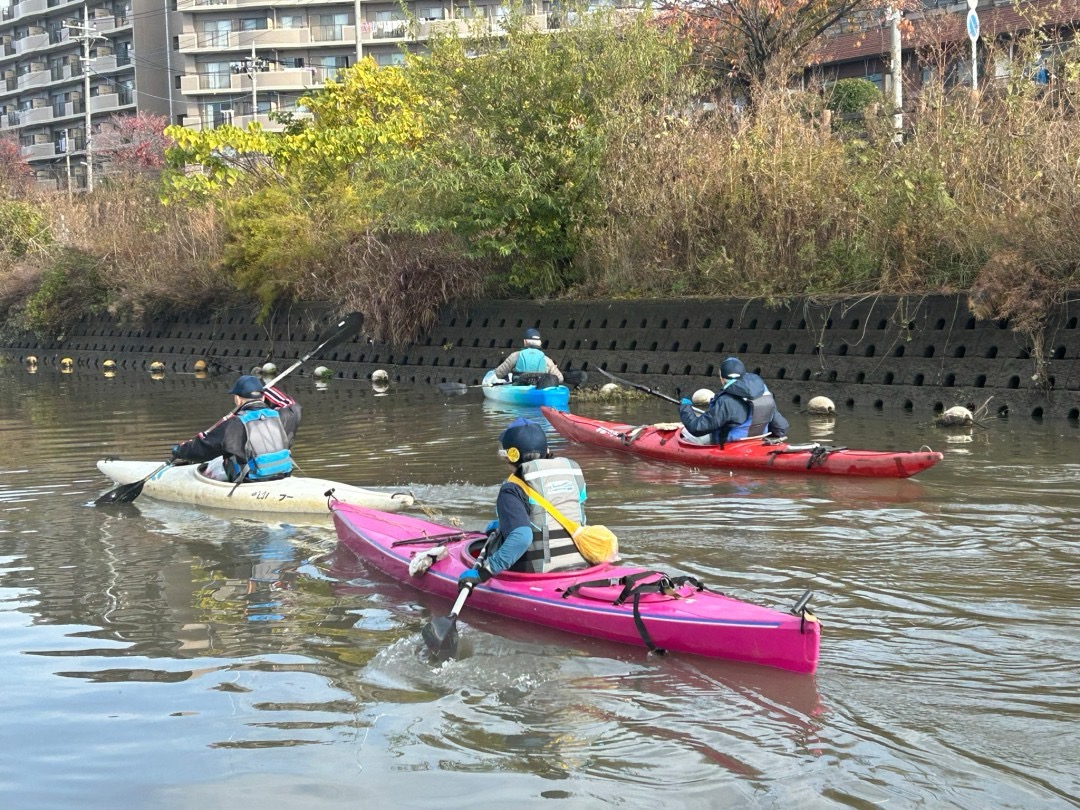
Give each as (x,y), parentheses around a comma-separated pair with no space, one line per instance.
(552,548)
(267,446)
(530,361)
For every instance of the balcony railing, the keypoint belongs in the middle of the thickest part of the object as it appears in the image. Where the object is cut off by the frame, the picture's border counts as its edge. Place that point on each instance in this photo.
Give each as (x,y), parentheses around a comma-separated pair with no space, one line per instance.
(219,80)
(328,33)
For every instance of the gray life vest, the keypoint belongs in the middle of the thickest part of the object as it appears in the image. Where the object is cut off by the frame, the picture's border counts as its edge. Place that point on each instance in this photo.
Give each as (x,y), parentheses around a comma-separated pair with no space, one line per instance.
(552,548)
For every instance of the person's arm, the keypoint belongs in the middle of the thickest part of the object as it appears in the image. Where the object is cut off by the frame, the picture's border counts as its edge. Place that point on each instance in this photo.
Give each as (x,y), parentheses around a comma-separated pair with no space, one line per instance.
(553,369)
(513,511)
(202,448)
(715,417)
(502,371)
(778,425)
(290,420)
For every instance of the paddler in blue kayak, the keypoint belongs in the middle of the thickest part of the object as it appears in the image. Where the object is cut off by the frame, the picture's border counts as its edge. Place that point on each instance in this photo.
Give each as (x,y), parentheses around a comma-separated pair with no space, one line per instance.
(530,362)
(528,539)
(744,408)
(253,444)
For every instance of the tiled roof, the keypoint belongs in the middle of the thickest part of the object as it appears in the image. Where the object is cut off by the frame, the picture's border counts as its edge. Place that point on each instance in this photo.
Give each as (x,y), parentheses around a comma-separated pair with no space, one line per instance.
(947,27)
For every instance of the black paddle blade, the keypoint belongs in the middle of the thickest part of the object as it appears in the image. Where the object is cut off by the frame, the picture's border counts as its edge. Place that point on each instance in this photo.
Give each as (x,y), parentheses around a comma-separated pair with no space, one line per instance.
(125,493)
(441,635)
(451,388)
(574,378)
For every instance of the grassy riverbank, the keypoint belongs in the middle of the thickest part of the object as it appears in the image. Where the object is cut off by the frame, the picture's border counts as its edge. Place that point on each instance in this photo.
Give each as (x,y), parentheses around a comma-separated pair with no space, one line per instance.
(582,166)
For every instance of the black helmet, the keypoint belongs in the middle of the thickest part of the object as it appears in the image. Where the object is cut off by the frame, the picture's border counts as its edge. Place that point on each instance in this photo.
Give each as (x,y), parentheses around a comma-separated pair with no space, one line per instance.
(532,338)
(523,441)
(247,387)
(732,368)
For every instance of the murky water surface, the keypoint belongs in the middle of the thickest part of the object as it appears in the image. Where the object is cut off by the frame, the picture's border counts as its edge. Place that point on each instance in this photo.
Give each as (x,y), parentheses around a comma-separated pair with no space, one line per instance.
(167,656)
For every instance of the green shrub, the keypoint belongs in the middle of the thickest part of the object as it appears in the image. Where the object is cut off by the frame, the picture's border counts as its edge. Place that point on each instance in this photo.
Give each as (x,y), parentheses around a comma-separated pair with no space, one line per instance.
(850,96)
(23,229)
(70,287)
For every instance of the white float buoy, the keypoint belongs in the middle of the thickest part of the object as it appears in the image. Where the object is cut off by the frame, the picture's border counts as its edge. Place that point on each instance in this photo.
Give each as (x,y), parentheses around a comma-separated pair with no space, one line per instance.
(323,373)
(702,397)
(609,389)
(822,406)
(200,365)
(268,368)
(380,376)
(380,388)
(956,416)
(157,366)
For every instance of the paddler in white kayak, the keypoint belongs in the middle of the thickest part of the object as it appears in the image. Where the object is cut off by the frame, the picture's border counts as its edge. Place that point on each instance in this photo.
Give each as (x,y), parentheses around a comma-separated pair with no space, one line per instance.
(252,445)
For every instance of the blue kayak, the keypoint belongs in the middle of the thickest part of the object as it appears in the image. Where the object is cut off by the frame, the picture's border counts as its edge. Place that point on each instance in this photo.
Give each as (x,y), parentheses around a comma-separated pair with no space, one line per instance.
(557,396)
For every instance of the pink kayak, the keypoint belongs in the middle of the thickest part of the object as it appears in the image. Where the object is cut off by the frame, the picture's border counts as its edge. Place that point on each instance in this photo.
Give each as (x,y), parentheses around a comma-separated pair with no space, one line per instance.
(608,601)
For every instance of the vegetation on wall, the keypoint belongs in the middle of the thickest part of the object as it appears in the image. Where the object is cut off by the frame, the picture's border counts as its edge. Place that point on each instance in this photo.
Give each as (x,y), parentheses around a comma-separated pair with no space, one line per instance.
(601,159)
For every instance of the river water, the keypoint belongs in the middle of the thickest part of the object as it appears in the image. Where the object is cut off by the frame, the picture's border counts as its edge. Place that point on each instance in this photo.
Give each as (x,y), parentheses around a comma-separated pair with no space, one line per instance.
(167,656)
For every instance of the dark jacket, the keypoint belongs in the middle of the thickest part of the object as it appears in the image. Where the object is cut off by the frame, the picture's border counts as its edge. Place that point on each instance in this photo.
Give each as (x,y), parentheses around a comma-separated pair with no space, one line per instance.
(229,439)
(735,407)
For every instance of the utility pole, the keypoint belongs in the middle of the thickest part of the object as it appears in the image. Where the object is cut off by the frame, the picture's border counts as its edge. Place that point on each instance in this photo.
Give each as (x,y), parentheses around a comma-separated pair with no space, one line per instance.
(254,82)
(67,159)
(897,68)
(86,35)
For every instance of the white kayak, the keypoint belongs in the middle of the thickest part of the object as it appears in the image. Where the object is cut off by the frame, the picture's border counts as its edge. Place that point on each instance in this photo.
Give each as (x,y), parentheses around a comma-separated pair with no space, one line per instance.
(185,484)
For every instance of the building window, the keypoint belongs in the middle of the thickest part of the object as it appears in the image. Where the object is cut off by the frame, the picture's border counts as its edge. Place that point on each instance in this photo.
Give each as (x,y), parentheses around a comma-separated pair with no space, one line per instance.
(431,13)
(253,24)
(388,59)
(291,21)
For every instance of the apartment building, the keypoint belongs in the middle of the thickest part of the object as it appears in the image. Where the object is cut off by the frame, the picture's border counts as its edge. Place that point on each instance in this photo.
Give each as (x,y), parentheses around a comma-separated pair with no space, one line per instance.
(67,65)
(241,60)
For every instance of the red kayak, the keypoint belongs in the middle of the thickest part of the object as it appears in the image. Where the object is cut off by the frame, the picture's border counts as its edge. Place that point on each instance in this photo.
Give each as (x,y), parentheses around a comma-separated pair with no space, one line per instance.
(664,444)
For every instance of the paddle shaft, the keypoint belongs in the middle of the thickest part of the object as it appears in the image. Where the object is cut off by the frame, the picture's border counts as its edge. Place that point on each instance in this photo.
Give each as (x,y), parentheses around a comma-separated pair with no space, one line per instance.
(640,387)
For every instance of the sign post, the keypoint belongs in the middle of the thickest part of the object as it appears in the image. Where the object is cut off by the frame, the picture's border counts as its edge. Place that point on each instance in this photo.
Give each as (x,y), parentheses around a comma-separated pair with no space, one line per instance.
(973,35)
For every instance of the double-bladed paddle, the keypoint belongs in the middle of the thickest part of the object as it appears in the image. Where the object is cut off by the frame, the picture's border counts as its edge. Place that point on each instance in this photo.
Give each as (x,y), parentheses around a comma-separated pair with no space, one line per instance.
(640,387)
(347,328)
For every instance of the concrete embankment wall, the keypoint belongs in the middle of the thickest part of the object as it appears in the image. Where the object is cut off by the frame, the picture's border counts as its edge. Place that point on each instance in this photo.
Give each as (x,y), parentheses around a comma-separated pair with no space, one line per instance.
(918,353)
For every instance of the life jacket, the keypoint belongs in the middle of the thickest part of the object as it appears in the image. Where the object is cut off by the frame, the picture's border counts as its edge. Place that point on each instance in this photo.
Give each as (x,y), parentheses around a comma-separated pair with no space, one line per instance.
(552,548)
(762,409)
(267,446)
(530,361)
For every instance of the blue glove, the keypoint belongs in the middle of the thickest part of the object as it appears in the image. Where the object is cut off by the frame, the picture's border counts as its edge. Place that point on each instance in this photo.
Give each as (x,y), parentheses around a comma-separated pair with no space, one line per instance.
(468,579)
(685,401)
(176,451)
(492,527)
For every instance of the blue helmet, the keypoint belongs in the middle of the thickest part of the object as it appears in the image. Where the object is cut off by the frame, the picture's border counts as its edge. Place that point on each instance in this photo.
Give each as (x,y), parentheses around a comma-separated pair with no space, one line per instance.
(248,387)
(532,338)
(523,441)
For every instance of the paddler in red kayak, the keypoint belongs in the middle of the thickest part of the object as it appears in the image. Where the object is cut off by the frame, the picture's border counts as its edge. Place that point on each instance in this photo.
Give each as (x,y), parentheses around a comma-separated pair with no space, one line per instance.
(743,409)
(528,538)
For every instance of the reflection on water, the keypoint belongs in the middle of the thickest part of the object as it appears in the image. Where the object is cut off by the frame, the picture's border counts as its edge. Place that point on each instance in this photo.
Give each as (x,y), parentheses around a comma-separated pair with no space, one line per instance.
(191,657)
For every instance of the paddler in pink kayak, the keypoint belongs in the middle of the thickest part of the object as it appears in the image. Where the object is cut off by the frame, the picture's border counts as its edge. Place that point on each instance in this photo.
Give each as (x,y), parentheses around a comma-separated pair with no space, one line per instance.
(528,538)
